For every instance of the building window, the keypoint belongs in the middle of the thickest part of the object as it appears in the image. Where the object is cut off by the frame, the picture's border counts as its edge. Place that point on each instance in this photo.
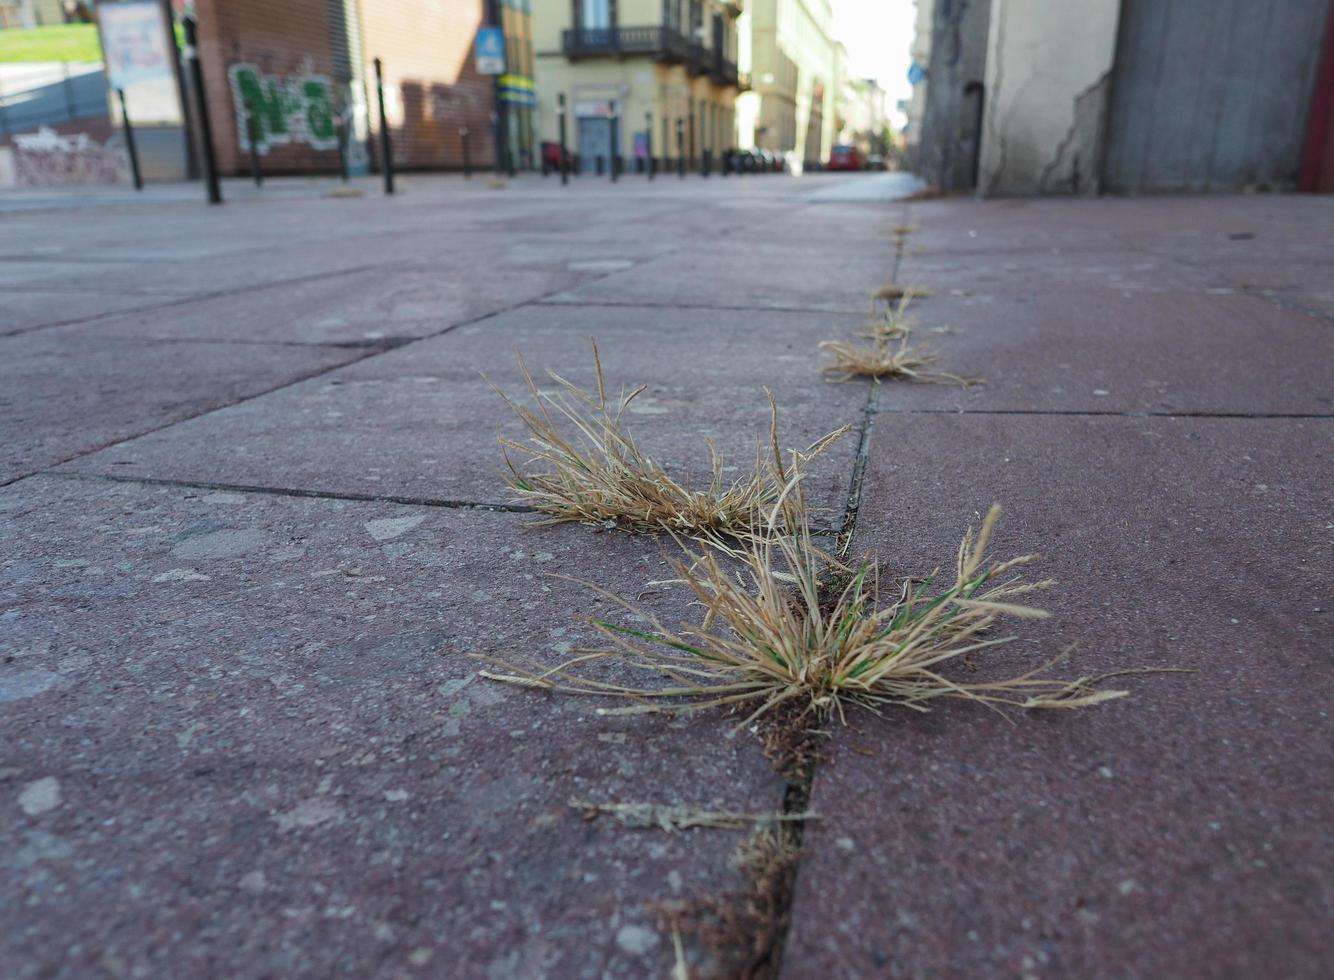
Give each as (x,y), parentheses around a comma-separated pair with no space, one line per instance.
(596,13)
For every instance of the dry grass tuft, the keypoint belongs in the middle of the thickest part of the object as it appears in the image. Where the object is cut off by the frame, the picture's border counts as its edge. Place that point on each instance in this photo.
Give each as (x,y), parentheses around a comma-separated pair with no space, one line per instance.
(769,637)
(885,360)
(893,324)
(892,291)
(580,463)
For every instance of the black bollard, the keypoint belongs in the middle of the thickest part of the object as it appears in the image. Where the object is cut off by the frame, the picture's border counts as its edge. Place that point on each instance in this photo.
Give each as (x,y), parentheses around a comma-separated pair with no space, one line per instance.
(201,110)
(386,148)
(252,130)
(130,148)
(564,157)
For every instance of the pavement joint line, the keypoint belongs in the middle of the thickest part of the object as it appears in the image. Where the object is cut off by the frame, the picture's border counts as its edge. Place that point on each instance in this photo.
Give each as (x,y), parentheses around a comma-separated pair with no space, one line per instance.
(286,384)
(307,376)
(693,306)
(180,300)
(797,794)
(371,498)
(1091,413)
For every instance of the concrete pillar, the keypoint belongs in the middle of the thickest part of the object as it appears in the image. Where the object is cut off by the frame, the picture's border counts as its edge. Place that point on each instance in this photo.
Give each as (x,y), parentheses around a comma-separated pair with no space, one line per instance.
(1049,68)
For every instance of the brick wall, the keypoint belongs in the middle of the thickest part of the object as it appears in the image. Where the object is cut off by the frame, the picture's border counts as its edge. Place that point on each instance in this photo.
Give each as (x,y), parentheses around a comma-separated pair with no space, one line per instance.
(426,47)
(286,40)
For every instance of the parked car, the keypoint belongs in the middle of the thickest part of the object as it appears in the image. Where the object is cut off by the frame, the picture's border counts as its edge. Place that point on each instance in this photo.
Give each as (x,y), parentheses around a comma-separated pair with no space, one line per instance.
(843,157)
(875,162)
(551,157)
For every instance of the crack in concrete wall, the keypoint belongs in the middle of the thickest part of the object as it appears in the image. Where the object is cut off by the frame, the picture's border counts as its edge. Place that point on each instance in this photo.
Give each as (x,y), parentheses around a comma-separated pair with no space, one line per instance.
(1073,169)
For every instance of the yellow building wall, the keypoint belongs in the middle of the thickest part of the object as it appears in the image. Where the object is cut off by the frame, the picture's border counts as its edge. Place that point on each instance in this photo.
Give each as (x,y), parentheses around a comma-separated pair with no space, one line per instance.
(637,84)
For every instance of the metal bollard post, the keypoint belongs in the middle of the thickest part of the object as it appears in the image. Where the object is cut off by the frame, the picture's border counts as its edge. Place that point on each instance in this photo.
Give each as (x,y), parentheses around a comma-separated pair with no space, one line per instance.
(130,148)
(386,148)
(201,110)
(680,148)
(340,124)
(252,129)
(615,143)
(465,134)
(648,143)
(564,159)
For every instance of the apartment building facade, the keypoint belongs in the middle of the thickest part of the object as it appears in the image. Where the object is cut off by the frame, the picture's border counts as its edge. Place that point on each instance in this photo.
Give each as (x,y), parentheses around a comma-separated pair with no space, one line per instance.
(796,70)
(640,79)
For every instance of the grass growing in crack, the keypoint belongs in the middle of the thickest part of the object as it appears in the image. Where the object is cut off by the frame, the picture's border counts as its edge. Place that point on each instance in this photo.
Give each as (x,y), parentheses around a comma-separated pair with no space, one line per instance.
(739,933)
(580,463)
(883,359)
(893,324)
(769,638)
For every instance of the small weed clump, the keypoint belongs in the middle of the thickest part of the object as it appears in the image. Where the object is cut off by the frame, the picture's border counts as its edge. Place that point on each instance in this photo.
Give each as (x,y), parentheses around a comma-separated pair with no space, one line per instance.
(581,464)
(769,637)
(882,359)
(892,324)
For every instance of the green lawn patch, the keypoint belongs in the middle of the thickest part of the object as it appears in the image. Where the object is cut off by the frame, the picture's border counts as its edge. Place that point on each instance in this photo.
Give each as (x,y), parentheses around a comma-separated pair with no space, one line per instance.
(60,42)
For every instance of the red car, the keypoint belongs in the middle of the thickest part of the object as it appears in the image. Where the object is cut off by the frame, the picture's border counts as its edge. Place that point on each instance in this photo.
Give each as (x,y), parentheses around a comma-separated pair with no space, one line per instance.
(844,158)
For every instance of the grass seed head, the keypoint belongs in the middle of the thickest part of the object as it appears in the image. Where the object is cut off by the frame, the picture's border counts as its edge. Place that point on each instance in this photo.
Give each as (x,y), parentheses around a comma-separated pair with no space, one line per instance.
(882,359)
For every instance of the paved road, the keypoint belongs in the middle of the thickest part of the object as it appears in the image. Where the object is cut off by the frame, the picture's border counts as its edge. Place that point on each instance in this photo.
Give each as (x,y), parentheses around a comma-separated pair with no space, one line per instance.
(251,533)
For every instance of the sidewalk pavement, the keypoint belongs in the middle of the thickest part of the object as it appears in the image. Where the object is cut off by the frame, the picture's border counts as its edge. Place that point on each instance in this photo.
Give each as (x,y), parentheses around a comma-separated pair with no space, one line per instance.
(254,529)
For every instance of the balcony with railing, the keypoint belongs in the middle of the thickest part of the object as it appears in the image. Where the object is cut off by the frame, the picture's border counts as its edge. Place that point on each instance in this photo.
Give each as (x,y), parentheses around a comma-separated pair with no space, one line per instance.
(661,43)
(722,70)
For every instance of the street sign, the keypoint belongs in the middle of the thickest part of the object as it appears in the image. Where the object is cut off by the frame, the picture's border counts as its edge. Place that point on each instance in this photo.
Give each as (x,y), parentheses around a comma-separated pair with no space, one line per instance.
(915,74)
(489,53)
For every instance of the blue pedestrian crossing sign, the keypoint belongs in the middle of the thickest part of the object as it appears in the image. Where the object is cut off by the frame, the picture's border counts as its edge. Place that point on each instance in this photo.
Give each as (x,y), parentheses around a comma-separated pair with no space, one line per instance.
(489,52)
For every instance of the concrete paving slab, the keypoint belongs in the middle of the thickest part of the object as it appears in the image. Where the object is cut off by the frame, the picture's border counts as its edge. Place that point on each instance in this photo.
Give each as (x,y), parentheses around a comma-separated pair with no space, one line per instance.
(1099,350)
(428,439)
(61,397)
(1180,832)
(1028,271)
(23,309)
(868,188)
(244,736)
(739,349)
(371,306)
(753,275)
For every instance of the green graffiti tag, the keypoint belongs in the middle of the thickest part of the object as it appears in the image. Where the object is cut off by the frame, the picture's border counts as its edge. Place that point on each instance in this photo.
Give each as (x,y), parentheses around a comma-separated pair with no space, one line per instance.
(295,109)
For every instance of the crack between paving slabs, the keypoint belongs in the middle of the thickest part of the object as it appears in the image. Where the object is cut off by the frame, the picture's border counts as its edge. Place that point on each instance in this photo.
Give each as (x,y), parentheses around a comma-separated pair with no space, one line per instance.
(796,796)
(178,301)
(375,498)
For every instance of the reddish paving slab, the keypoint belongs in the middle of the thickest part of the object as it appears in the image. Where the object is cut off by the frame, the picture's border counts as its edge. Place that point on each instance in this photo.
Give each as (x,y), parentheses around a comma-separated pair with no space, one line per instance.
(1183,831)
(369,306)
(243,736)
(1278,244)
(61,396)
(1099,350)
(742,351)
(1023,271)
(23,309)
(763,274)
(421,423)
